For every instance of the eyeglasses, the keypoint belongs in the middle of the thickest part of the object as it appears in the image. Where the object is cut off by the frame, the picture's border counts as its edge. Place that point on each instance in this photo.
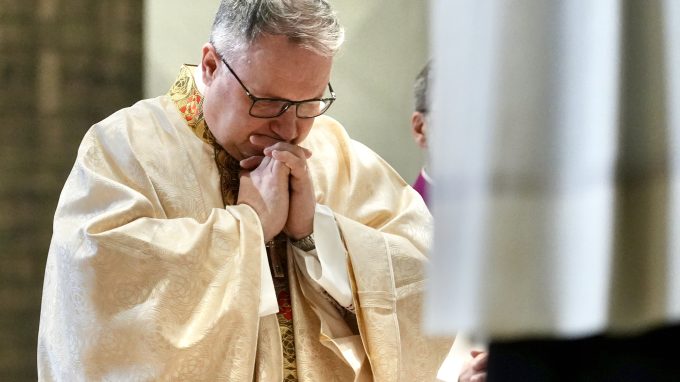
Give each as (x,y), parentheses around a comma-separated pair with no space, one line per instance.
(274,107)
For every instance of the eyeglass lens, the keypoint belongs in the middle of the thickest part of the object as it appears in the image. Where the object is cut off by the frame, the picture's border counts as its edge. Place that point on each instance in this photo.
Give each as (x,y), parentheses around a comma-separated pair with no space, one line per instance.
(273,108)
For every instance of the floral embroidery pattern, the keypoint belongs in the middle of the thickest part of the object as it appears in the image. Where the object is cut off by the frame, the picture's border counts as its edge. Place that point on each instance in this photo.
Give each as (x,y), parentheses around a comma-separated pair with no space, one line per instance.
(285,308)
(190,110)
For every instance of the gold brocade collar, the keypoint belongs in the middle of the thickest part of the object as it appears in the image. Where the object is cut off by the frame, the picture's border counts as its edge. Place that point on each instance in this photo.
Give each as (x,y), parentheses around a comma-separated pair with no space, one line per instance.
(189,101)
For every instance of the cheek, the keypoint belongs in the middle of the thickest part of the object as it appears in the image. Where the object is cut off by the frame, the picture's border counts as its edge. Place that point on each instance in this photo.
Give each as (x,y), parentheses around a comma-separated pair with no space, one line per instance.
(211,109)
(248,126)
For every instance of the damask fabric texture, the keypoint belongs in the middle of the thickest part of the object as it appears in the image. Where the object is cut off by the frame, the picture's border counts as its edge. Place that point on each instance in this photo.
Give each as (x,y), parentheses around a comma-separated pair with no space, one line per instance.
(150,276)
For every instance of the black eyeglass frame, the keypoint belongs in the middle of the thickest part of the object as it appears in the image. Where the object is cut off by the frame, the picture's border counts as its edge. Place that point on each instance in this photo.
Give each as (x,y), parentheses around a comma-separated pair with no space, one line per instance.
(287,103)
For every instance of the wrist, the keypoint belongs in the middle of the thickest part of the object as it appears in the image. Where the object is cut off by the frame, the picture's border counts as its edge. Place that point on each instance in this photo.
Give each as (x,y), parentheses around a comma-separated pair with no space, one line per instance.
(305,243)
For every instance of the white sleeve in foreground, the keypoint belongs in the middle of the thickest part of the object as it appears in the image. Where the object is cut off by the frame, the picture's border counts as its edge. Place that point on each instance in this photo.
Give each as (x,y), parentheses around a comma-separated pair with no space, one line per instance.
(268,302)
(327,264)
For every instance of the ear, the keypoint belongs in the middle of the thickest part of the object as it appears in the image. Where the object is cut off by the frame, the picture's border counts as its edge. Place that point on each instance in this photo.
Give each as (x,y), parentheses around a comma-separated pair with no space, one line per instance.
(419,129)
(210,61)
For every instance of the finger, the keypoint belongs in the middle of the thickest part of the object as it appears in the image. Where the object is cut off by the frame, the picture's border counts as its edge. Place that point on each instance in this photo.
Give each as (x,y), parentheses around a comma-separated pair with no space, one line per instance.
(475,353)
(267,142)
(284,146)
(265,164)
(308,152)
(298,167)
(263,140)
(251,163)
(478,378)
(279,168)
(480,362)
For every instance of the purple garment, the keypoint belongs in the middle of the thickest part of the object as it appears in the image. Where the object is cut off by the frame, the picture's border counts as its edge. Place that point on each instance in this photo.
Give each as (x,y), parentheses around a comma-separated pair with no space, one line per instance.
(421,185)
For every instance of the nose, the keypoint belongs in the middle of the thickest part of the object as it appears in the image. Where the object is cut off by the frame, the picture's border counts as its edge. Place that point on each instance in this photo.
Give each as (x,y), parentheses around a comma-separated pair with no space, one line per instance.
(285,125)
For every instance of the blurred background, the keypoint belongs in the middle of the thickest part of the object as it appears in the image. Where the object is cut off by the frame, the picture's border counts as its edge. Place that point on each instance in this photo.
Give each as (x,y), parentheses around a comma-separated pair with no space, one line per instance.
(67,64)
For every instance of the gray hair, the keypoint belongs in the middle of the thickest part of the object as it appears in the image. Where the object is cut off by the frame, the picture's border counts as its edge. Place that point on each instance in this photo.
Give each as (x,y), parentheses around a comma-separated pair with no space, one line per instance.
(310,23)
(420,94)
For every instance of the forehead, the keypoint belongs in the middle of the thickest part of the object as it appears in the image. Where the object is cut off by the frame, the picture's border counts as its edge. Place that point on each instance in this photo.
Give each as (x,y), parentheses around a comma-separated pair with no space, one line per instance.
(275,67)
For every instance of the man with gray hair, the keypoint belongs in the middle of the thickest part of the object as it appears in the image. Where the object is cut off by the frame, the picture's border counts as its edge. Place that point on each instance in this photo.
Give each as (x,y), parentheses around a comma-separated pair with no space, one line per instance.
(229,231)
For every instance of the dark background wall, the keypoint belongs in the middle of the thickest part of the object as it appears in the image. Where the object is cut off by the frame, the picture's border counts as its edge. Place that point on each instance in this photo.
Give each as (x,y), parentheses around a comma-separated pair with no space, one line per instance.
(64,65)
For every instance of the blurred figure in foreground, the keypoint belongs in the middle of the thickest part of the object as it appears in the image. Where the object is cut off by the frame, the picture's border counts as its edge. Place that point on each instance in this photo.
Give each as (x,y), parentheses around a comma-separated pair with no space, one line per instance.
(458,366)
(555,148)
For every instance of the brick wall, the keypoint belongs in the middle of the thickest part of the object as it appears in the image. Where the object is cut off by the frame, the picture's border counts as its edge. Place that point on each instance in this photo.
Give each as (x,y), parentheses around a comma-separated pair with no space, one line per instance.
(64,65)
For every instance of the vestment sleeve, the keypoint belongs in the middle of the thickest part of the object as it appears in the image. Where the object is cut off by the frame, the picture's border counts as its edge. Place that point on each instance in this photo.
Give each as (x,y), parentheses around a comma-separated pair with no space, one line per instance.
(145,278)
(385,228)
(326,265)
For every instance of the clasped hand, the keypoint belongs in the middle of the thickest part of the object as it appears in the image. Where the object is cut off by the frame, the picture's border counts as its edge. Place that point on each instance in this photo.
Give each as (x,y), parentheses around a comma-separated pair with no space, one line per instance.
(474,370)
(277,185)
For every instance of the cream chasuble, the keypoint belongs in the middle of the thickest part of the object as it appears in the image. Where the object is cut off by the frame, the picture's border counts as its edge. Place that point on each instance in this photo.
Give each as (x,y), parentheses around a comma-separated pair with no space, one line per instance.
(152,275)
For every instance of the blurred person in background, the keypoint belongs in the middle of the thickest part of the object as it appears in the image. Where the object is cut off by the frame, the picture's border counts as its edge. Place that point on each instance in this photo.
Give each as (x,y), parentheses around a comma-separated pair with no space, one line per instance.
(419,126)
